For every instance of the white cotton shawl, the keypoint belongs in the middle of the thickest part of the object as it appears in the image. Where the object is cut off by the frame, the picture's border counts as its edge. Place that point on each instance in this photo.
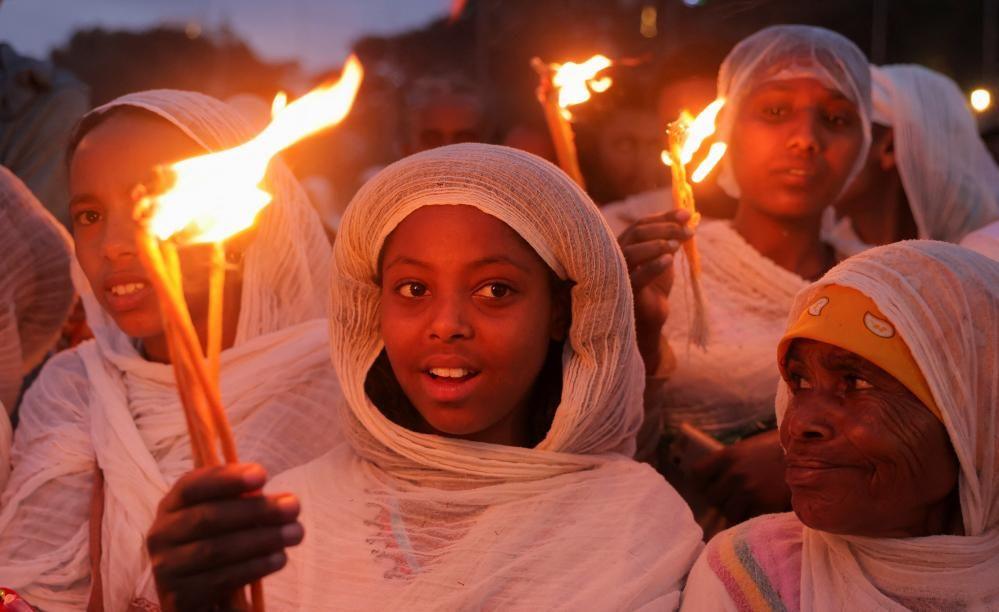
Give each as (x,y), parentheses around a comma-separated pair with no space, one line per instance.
(950,179)
(404,520)
(35,291)
(102,404)
(944,302)
(786,52)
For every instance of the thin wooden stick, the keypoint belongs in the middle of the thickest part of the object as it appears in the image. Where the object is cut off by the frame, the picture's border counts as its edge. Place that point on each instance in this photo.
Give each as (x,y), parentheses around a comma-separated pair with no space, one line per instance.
(563,138)
(216,295)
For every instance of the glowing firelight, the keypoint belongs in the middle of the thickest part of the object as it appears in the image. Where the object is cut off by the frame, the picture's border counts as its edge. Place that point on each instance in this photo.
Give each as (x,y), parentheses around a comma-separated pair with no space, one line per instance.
(575,82)
(211,197)
(981,100)
(698,129)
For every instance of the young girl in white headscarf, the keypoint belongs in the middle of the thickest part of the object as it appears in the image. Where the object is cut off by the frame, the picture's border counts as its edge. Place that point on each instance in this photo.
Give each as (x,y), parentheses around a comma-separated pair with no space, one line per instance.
(102,434)
(35,294)
(482,327)
(889,408)
(797,124)
(928,174)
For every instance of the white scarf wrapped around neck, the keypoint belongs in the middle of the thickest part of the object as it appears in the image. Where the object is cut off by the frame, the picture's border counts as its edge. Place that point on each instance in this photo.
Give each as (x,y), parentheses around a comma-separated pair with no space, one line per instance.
(400,519)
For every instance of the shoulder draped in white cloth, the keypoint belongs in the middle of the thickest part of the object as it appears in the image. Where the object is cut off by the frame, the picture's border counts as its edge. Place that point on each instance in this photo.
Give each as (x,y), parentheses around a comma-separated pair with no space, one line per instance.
(35,292)
(103,405)
(399,519)
(950,179)
(944,302)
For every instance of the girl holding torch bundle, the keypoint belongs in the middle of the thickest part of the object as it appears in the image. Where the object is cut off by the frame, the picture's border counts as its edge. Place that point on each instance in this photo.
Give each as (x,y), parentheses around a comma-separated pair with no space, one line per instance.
(482,327)
(797,122)
(103,422)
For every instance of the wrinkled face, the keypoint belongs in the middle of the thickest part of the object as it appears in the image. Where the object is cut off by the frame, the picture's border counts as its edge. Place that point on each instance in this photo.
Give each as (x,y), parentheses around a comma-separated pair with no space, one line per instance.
(108,163)
(629,147)
(863,455)
(792,147)
(447,120)
(467,314)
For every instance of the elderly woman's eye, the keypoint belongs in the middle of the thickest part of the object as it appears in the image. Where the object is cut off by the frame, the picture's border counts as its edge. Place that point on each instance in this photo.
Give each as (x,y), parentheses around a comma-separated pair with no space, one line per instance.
(798,382)
(859,384)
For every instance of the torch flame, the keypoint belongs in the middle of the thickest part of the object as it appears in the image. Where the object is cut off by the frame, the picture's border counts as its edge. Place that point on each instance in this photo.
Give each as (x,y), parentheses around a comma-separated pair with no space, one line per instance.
(575,81)
(217,195)
(715,154)
(697,130)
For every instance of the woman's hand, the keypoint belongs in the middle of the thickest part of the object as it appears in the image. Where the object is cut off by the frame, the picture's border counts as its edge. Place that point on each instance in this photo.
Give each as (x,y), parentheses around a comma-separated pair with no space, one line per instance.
(215,533)
(746,479)
(648,246)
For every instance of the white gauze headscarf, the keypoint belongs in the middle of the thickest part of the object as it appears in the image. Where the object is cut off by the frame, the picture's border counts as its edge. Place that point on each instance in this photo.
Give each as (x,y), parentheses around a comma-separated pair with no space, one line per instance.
(427,522)
(784,52)
(944,302)
(950,179)
(276,382)
(35,292)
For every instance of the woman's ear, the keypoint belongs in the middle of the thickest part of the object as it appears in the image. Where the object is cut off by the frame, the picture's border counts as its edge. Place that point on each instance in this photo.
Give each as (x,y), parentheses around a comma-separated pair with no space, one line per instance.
(886,150)
(561,310)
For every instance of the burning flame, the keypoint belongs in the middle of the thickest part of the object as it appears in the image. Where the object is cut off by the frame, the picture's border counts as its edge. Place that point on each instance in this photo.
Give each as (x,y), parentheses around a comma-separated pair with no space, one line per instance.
(575,82)
(697,130)
(217,195)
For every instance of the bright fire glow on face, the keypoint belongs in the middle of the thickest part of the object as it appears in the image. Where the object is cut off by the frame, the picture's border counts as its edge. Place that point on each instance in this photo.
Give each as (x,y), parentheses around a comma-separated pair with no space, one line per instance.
(696,131)
(214,196)
(575,82)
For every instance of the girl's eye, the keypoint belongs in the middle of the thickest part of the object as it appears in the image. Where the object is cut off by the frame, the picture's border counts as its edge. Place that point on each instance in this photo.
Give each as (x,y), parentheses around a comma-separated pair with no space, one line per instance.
(774,112)
(86,217)
(495,291)
(838,120)
(412,290)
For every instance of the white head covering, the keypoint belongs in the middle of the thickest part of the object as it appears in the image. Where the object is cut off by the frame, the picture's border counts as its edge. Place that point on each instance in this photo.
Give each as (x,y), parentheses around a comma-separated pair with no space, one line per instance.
(477,525)
(784,52)
(276,383)
(35,291)
(944,302)
(950,179)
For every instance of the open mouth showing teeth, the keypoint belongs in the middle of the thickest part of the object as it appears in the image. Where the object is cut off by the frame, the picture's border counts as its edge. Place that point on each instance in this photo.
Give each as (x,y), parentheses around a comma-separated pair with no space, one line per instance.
(451,373)
(127,288)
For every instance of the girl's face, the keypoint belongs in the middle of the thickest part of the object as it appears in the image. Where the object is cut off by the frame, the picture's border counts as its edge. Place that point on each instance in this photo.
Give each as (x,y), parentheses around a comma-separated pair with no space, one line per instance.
(793,145)
(468,311)
(108,163)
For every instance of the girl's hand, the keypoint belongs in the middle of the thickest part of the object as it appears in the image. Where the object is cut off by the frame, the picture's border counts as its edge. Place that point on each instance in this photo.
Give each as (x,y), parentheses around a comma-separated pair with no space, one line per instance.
(648,246)
(215,533)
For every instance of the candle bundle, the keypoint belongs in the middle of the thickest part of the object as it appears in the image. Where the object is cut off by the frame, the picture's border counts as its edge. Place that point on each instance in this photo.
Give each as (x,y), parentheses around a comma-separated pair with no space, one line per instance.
(562,86)
(205,200)
(684,138)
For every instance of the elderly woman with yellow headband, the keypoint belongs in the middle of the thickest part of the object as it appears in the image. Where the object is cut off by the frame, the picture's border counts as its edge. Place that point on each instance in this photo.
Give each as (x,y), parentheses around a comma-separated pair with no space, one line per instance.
(888,420)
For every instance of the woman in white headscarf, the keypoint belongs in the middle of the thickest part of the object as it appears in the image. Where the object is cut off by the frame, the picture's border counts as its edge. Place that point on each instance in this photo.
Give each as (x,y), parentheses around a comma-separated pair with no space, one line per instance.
(440,509)
(889,409)
(928,174)
(797,124)
(103,422)
(35,293)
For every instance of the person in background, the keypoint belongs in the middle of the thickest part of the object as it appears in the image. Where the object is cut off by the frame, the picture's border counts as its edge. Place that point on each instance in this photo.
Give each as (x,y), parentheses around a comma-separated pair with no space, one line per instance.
(687,81)
(39,105)
(442,111)
(889,422)
(36,294)
(928,174)
(797,125)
